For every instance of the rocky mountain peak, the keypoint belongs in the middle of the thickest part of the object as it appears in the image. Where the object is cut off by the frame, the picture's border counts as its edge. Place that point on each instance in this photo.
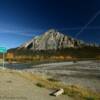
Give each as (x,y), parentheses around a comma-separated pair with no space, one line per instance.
(51,39)
(52,31)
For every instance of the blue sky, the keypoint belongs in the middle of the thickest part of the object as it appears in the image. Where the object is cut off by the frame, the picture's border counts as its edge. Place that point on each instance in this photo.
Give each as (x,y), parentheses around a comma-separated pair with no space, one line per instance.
(20,20)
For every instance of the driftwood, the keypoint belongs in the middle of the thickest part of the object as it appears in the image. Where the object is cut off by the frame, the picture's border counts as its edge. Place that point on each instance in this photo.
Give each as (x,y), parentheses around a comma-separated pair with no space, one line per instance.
(57,92)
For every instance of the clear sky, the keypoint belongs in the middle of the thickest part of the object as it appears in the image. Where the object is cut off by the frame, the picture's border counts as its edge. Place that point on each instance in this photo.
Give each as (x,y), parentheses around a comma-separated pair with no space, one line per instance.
(20,20)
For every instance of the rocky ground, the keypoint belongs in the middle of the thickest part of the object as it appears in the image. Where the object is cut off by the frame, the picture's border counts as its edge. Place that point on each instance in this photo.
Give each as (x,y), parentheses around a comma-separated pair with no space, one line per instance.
(83,73)
(15,87)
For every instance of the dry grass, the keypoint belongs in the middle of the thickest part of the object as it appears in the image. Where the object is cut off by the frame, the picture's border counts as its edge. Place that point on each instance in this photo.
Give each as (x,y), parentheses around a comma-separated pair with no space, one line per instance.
(71,90)
(74,91)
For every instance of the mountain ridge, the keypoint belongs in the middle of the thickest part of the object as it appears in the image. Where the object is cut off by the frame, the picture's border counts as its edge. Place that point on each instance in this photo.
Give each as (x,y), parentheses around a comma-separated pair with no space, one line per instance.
(52,39)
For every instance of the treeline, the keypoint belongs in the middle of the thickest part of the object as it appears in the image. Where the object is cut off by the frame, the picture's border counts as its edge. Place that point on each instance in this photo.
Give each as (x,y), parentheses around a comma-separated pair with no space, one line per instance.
(60,54)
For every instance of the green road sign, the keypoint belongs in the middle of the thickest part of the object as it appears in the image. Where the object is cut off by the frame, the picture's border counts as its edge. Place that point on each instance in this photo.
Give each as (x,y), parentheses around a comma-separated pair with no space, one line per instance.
(3,50)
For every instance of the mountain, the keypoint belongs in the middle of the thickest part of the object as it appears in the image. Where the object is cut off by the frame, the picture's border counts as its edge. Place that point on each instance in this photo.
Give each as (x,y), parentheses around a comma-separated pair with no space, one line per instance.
(55,46)
(52,39)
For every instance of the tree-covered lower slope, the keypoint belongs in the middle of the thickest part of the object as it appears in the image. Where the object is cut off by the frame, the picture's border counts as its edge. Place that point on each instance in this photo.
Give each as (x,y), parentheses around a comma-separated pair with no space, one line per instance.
(84,52)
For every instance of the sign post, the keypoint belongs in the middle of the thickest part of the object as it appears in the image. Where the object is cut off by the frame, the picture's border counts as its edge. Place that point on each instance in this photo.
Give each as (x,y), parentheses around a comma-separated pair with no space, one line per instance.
(3,50)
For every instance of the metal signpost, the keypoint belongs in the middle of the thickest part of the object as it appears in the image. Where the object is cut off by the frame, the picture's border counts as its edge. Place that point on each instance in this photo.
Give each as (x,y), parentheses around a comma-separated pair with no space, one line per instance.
(3,50)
